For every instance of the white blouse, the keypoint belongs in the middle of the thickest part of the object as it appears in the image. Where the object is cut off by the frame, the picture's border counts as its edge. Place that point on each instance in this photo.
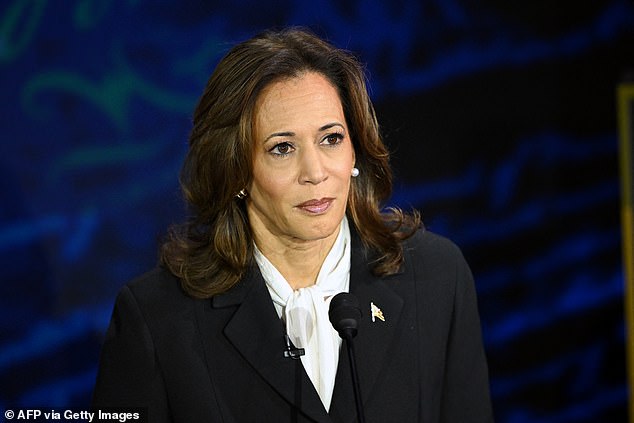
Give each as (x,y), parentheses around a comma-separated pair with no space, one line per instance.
(305,311)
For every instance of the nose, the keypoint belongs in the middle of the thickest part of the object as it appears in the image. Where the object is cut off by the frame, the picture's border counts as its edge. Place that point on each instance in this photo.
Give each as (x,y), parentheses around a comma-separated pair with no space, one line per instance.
(312,166)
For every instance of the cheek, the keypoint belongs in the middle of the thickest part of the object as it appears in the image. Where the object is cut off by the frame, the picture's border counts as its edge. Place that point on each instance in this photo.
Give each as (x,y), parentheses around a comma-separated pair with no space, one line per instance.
(267,187)
(344,167)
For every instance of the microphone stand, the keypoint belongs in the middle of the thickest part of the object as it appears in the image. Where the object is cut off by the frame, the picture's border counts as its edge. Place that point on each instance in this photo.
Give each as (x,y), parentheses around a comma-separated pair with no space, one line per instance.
(355,378)
(344,314)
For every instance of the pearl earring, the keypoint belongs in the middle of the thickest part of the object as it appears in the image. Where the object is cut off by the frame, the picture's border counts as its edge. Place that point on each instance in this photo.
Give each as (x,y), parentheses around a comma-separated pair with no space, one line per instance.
(355,172)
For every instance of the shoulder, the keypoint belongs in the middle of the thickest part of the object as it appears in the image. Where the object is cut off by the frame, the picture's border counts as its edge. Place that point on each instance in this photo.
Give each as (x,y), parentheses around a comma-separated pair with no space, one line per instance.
(158,281)
(431,247)
(436,260)
(156,294)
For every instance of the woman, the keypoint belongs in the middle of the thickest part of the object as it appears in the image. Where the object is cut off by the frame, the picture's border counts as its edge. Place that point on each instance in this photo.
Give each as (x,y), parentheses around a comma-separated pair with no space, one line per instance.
(285,176)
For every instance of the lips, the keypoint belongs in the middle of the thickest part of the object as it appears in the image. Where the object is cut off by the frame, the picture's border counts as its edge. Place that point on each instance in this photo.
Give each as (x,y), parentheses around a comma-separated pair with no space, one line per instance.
(316,206)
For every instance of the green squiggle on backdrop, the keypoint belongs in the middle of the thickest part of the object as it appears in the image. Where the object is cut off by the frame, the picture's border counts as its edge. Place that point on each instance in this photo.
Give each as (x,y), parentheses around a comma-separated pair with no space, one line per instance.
(10,47)
(89,12)
(112,95)
(108,155)
(98,157)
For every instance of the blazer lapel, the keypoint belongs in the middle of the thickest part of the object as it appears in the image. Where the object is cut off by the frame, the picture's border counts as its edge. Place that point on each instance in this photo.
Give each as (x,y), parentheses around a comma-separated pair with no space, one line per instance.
(374,338)
(258,334)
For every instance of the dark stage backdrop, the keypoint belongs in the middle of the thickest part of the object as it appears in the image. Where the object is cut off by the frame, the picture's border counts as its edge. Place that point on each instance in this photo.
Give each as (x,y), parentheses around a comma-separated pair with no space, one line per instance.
(500,115)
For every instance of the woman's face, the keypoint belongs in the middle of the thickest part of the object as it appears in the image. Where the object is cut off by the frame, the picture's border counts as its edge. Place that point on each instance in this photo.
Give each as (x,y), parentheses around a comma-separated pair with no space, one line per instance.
(302,162)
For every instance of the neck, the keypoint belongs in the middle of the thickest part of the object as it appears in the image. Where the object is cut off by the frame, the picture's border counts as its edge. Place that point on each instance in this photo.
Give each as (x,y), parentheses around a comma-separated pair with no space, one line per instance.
(298,261)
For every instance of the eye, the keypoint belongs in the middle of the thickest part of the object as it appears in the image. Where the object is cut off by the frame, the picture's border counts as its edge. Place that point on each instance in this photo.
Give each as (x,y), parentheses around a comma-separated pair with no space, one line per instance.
(281,149)
(332,139)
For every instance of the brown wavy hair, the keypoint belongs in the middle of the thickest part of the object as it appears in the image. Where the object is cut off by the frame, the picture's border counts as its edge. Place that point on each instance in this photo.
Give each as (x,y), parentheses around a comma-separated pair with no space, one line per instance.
(212,250)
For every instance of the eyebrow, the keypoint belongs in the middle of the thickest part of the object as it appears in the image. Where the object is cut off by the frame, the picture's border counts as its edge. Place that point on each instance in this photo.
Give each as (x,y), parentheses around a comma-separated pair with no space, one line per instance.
(292,134)
(330,125)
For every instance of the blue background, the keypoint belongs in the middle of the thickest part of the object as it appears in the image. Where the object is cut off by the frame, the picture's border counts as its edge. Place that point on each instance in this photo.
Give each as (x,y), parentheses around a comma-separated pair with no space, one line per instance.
(500,116)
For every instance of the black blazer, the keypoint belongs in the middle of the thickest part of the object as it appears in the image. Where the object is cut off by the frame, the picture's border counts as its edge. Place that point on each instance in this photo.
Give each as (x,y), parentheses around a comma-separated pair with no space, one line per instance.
(221,360)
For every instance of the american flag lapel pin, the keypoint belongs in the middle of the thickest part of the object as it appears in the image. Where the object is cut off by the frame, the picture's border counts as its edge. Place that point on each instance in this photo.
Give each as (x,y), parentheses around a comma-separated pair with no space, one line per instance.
(376,313)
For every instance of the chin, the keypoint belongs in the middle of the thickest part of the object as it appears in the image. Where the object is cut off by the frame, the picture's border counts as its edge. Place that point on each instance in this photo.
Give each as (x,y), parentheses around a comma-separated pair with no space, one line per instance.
(320,230)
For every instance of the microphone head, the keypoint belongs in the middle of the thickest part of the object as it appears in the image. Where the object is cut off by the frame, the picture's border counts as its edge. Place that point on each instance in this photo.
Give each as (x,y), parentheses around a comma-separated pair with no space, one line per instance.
(344,314)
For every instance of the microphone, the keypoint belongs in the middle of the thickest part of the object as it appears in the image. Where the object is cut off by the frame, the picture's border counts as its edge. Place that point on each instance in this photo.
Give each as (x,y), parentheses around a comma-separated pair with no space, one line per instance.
(344,314)
(291,351)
